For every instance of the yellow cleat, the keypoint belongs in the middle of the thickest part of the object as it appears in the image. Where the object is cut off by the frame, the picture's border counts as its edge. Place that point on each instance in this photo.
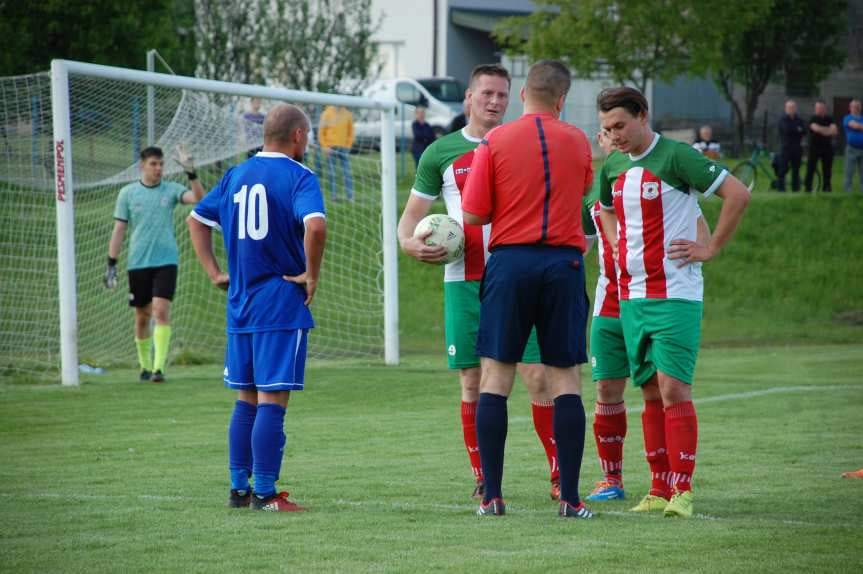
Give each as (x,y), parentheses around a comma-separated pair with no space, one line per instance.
(650,503)
(680,504)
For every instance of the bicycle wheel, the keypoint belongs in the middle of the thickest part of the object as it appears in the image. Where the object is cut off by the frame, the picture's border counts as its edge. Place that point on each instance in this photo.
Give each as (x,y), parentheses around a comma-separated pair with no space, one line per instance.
(746,173)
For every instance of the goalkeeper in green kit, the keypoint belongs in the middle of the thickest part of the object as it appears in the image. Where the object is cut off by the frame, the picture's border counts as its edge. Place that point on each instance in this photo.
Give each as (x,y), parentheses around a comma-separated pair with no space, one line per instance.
(146,207)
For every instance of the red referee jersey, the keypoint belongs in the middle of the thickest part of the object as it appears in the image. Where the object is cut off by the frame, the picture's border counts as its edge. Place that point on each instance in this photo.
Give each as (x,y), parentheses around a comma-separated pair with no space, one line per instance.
(529,176)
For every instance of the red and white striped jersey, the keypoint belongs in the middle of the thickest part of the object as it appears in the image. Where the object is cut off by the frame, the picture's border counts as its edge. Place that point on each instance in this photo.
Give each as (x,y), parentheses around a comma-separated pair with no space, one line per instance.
(443,171)
(606,302)
(652,197)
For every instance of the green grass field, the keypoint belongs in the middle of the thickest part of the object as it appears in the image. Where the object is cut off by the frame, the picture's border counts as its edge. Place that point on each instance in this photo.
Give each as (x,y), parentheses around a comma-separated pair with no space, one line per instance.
(119,476)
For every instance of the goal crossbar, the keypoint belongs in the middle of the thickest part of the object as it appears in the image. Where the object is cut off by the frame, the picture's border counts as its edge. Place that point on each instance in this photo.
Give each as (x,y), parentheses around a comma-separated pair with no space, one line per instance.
(64,185)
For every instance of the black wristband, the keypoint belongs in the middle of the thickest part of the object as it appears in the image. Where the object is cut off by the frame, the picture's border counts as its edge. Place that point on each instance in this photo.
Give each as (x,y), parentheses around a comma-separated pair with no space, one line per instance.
(191,175)
(112,262)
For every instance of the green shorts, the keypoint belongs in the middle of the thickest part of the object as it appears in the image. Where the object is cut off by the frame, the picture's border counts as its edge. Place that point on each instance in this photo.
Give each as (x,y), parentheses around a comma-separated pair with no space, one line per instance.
(661,334)
(461,321)
(607,349)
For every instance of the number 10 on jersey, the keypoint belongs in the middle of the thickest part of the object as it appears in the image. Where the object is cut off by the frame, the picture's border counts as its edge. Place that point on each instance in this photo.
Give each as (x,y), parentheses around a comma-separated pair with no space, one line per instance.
(252,215)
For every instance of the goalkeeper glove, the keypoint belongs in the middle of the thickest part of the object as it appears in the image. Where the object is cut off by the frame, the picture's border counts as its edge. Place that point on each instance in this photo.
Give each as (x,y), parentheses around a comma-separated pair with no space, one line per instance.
(110,279)
(186,161)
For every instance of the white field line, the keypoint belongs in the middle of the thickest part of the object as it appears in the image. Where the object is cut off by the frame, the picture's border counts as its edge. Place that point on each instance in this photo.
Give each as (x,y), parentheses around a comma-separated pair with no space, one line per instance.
(733,397)
(406,505)
(511,510)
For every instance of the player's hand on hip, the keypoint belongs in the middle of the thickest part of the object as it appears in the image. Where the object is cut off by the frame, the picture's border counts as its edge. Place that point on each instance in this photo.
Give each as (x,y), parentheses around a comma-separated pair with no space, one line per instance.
(222,281)
(184,159)
(688,252)
(416,248)
(110,278)
(303,280)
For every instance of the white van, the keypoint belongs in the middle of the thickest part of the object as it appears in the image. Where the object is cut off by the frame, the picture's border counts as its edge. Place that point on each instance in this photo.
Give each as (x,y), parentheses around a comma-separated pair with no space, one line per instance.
(442,96)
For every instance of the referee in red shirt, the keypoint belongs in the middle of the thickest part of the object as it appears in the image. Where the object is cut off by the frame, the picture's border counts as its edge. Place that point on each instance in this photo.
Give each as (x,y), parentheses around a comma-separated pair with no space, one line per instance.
(528,178)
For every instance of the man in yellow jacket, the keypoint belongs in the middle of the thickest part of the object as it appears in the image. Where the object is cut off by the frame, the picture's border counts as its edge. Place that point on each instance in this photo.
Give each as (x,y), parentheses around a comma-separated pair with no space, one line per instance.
(337,138)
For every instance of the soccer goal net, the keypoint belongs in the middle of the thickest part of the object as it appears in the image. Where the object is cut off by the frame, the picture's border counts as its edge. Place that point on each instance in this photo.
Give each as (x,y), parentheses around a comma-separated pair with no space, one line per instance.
(69,141)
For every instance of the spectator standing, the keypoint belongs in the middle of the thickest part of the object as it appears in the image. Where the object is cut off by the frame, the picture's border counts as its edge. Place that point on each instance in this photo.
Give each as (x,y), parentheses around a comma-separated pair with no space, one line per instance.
(853,126)
(423,134)
(337,138)
(705,143)
(791,132)
(822,128)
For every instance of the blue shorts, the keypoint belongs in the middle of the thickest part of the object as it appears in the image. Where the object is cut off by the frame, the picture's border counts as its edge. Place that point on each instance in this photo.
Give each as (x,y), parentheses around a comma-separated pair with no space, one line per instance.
(527,286)
(267,361)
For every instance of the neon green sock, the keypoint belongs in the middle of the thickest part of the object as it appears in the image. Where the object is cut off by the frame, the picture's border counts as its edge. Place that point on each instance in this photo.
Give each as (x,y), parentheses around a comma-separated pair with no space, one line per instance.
(162,338)
(145,347)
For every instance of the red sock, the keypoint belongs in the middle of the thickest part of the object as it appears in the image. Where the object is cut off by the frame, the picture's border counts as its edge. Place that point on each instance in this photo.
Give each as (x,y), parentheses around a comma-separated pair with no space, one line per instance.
(468,426)
(653,423)
(609,430)
(543,423)
(681,431)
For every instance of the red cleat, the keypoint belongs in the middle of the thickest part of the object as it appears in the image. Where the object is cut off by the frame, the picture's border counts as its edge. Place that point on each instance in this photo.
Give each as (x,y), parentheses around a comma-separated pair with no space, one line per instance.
(853,474)
(276,503)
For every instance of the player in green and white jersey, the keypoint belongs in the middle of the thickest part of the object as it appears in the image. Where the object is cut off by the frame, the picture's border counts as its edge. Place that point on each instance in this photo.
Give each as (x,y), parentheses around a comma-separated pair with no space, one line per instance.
(647,193)
(147,208)
(442,171)
(610,366)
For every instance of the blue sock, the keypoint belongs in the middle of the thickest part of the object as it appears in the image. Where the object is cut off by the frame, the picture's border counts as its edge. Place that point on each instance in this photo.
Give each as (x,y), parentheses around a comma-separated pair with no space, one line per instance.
(240,444)
(268,444)
(569,425)
(491,427)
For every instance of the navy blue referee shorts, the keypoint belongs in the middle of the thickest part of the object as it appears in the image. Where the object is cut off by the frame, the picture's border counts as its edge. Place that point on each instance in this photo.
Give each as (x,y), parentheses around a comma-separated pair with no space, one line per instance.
(527,286)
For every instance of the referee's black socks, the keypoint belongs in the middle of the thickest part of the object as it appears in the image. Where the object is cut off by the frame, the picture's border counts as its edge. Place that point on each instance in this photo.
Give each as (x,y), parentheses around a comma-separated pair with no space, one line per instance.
(569,423)
(491,427)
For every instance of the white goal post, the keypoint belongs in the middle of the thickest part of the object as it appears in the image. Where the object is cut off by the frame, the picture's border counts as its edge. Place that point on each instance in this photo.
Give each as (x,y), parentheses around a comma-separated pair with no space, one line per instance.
(64,186)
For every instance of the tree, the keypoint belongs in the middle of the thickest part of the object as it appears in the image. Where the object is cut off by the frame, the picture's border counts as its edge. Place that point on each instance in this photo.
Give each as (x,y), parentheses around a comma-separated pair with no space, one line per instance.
(98,31)
(632,42)
(314,45)
(789,38)
(740,43)
(227,39)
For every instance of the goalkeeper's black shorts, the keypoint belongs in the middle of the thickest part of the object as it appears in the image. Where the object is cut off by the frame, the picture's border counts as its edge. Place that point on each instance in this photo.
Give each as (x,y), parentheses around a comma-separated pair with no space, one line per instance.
(149,282)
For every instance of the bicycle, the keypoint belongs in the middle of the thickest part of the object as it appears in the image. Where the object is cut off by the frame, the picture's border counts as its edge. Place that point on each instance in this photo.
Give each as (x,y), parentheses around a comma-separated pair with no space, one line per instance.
(762,160)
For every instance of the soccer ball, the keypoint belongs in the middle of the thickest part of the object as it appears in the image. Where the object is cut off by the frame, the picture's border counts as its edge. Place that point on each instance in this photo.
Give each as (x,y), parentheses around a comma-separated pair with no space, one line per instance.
(445,231)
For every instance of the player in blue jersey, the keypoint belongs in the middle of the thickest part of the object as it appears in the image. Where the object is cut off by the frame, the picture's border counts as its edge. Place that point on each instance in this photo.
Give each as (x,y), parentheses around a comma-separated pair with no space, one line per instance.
(273,223)
(147,208)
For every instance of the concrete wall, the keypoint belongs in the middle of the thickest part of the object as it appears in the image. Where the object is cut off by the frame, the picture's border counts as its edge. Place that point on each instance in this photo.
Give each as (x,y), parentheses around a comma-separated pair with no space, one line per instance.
(406,35)
(467,47)
(407,43)
(686,102)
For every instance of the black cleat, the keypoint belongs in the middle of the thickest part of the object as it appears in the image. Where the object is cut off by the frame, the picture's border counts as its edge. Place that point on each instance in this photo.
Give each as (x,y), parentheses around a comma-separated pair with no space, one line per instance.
(494,507)
(569,511)
(240,498)
(158,377)
(144,376)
